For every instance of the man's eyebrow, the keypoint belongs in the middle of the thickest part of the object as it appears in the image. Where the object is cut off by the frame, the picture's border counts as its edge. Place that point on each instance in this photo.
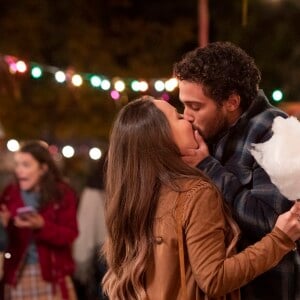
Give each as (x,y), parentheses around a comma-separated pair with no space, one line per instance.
(190,101)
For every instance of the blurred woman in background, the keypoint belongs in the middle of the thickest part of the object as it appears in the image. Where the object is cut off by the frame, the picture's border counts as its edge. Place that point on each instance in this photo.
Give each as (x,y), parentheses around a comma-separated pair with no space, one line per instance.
(39,212)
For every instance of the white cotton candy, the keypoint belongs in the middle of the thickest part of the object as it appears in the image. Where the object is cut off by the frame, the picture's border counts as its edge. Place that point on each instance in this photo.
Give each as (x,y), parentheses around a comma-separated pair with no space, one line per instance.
(280,156)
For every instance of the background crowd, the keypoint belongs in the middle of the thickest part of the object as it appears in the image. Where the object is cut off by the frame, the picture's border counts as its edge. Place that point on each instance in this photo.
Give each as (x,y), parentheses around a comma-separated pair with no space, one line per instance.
(50,235)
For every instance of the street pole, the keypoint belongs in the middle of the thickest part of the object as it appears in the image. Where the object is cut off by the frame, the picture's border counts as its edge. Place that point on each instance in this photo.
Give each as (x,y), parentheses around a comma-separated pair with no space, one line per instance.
(203,23)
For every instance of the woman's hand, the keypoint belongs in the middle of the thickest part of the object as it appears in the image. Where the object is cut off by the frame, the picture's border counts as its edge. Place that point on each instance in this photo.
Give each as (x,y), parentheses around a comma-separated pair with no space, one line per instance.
(289,222)
(4,215)
(31,220)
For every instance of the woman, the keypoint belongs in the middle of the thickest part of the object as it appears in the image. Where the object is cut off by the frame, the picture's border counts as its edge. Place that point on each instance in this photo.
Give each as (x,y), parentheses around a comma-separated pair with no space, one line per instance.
(147,185)
(39,212)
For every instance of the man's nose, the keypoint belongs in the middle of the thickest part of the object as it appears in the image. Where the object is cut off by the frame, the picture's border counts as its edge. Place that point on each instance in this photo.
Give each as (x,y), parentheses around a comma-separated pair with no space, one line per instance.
(188,116)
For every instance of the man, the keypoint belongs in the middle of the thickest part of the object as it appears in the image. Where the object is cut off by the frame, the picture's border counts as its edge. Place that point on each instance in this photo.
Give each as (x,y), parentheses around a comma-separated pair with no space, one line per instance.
(218,86)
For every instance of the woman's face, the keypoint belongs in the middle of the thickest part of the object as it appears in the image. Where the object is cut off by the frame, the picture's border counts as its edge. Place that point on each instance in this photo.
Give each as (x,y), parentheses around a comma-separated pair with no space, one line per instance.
(182,130)
(28,171)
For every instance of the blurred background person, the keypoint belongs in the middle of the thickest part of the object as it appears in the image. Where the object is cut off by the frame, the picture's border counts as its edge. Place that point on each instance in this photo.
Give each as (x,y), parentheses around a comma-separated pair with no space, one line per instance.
(39,211)
(90,268)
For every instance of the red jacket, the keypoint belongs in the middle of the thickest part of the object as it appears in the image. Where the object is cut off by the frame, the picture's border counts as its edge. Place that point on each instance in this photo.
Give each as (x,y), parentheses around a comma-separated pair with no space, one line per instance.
(53,241)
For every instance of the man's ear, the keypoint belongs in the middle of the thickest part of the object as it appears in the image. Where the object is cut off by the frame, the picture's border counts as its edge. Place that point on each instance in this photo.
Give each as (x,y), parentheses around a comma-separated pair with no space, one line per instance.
(233,102)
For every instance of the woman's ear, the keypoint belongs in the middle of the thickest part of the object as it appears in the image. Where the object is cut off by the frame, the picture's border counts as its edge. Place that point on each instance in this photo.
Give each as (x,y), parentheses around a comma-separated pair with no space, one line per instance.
(44,168)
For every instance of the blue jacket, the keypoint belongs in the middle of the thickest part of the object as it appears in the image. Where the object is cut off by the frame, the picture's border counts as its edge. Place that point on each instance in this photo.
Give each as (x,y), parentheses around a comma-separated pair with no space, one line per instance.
(255,201)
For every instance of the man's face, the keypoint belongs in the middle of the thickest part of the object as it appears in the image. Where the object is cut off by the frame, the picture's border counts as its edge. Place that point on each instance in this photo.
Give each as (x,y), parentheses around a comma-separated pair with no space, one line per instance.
(203,112)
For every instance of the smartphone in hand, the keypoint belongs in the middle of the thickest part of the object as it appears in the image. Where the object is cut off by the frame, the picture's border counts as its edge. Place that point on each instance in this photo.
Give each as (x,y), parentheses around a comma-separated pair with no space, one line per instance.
(24,211)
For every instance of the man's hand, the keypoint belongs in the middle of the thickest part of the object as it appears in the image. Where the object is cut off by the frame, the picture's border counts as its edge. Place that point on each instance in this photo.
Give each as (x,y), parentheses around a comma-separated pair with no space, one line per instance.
(193,157)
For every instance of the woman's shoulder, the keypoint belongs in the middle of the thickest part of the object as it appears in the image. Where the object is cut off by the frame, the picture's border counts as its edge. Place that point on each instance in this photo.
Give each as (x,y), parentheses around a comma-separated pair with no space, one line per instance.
(199,194)
(194,185)
(11,188)
(67,190)
(190,188)
(65,186)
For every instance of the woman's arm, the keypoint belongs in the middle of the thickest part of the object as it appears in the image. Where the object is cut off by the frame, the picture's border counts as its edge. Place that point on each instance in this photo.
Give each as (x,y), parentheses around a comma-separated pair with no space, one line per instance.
(205,230)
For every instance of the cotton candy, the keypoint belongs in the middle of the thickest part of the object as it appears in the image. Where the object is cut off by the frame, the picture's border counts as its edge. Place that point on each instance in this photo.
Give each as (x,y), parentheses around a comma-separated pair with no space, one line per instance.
(280,156)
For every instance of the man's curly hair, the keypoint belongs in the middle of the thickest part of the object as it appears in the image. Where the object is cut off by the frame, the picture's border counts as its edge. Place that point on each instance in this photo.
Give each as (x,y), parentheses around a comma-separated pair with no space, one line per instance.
(222,69)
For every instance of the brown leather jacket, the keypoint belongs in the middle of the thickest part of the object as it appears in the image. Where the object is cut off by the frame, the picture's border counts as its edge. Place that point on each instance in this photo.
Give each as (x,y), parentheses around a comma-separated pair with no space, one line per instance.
(210,275)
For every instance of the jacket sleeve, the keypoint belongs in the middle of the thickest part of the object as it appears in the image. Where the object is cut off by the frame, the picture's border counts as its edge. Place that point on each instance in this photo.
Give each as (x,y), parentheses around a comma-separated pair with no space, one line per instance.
(205,231)
(60,223)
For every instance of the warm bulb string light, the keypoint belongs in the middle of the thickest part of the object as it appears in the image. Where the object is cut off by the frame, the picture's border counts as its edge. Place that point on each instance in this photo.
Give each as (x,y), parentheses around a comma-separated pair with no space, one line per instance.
(115,85)
(66,151)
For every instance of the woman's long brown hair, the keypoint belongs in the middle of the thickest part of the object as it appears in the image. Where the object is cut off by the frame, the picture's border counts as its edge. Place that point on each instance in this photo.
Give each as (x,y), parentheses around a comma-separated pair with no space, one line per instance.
(142,157)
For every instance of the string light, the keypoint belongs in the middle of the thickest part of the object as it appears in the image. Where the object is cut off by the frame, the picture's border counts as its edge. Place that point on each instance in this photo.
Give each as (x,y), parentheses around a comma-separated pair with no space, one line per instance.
(95,81)
(171,84)
(60,76)
(66,151)
(13,145)
(105,85)
(119,85)
(95,153)
(36,72)
(115,95)
(135,85)
(77,80)
(21,66)
(12,68)
(159,85)
(144,86)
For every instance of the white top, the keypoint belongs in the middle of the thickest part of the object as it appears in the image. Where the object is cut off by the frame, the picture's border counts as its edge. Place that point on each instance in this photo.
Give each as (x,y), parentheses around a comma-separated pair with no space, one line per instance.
(92,231)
